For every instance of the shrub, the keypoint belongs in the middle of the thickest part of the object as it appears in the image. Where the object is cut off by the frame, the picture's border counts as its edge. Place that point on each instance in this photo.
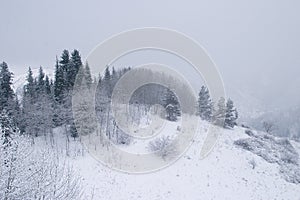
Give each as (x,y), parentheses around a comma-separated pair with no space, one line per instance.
(163,147)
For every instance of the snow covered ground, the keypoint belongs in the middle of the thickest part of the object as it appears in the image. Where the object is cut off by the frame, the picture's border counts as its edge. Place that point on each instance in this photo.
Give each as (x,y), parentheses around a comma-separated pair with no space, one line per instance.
(228,172)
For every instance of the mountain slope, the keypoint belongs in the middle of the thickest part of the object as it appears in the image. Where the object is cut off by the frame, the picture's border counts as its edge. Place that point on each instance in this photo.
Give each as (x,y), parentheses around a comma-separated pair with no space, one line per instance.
(226,173)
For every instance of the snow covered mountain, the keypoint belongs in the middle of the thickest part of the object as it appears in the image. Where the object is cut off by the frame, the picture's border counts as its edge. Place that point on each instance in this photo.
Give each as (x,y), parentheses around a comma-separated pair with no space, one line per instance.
(245,164)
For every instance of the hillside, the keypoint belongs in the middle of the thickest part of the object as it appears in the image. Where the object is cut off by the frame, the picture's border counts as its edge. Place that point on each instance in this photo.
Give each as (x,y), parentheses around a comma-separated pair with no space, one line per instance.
(228,172)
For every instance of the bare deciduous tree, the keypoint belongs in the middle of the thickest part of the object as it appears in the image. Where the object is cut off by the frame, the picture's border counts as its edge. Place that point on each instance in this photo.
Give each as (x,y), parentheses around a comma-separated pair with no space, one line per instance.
(268,127)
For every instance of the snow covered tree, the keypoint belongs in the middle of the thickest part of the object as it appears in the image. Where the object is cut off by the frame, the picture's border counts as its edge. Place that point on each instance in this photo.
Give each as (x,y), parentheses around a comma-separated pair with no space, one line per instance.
(106,74)
(59,83)
(82,109)
(41,82)
(88,76)
(205,105)
(231,115)
(219,114)
(44,107)
(73,131)
(29,108)
(268,126)
(73,68)
(28,174)
(65,60)
(7,129)
(37,105)
(48,86)
(6,92)
(171,105)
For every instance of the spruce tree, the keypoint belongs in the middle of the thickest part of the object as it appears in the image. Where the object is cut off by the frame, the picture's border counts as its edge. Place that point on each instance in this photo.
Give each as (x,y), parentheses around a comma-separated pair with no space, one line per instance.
(30,87)
(65,60)
(47,86)
(6,92)
(219,114)
(231,115)
(171,105)
(88,75)
(41,81)
(106,83)
(59,83)
(7,128)
(205,106)
(30,97)
(73,68)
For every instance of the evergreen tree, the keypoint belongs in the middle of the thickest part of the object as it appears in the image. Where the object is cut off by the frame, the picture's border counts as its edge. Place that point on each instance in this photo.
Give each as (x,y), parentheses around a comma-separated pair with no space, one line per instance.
(219,114)
(73,131)
(171,105)
(47,86)
(30,87)
(41,82)
(6,92)
(37,112)
(205,106)
(59,83)
(231,115)
(18,115)
(74,66)
(29,100)
(106,74)
(88,76)
(7,128)
(65,60)
(106,85)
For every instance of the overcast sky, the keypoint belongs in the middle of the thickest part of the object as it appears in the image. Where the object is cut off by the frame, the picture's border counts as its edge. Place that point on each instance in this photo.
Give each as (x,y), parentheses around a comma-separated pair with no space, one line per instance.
(255,44)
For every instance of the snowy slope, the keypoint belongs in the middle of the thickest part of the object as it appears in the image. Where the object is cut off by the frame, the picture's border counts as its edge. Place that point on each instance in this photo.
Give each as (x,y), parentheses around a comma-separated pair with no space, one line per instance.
(226,173)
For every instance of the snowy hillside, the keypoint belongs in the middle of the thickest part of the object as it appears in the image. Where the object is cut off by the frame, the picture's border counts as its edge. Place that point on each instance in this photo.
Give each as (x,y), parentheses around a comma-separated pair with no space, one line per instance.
(228,172)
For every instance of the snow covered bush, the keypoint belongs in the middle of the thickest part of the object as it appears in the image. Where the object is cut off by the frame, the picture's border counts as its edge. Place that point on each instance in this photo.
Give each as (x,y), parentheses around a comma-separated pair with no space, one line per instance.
(163,147)
(274,150)
(249,132)
(290,173)
(28,174)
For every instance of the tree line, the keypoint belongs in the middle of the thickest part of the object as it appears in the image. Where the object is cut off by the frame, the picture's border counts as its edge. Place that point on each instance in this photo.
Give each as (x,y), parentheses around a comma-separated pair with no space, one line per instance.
(47,103)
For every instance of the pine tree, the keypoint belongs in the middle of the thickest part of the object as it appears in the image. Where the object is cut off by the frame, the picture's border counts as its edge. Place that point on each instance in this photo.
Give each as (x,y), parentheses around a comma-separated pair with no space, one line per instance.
(6,92)
(65,60)
(41,82)
(82,109)
(88,76)
(43,106)
(231,115)
(7,129)
(59,83)
(18,115)
(106,85)
(29,100)
(205,106)
(73,68)
(30,87)
(48,86)
(73,131)
(171,105)
(219,114)
(106,74)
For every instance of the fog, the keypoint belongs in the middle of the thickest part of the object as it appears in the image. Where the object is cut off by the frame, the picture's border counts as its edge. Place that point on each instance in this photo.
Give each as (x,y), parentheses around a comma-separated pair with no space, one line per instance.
(255,44)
